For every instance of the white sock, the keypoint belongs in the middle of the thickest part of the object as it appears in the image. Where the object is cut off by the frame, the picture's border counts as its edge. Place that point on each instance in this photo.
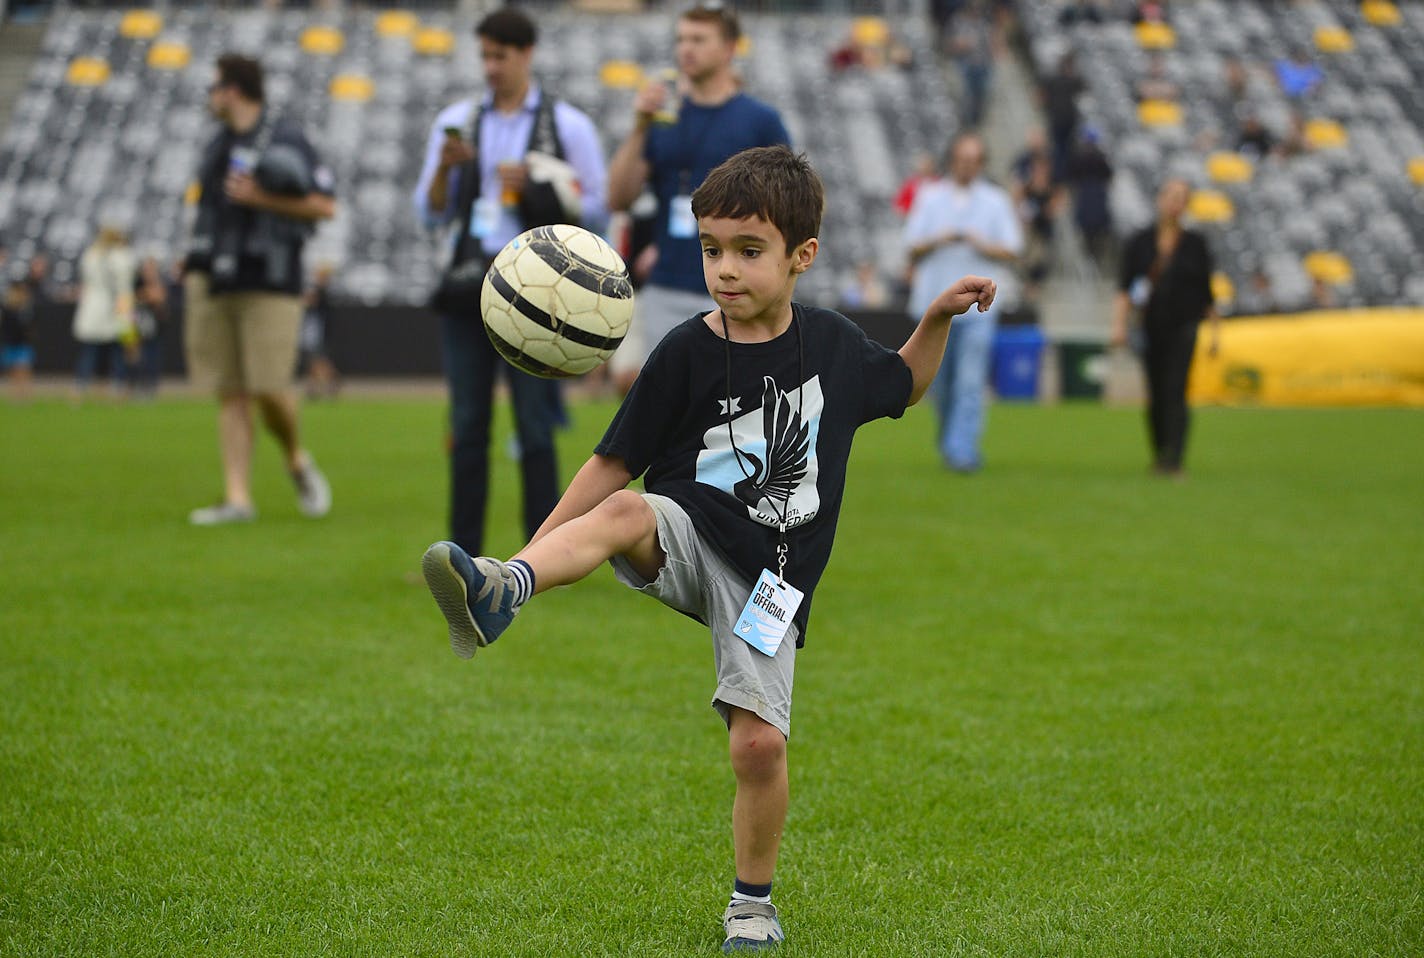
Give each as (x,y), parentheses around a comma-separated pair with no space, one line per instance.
(523,581)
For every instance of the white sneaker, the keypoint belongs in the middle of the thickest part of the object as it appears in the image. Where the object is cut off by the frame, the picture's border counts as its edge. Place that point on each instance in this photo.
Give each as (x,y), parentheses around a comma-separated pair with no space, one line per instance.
(313,491)
(224,513)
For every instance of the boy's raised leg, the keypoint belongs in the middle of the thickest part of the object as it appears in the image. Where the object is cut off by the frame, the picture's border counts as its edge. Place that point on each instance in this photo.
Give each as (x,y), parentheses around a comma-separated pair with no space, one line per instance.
(480,596)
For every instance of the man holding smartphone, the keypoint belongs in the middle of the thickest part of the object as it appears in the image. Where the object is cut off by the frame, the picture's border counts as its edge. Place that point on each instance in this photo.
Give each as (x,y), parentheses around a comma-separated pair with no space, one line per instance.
(478,184)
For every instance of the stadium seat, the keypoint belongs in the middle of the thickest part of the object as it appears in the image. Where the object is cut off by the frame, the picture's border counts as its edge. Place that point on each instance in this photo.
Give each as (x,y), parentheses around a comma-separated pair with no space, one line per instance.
(140,24)
(1328,267)
(433,42)
(396,23)
(87,71)
(322,41)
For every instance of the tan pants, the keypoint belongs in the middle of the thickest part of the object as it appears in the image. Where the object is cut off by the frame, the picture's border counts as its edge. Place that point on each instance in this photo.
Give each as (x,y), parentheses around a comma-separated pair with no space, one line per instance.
(240,342)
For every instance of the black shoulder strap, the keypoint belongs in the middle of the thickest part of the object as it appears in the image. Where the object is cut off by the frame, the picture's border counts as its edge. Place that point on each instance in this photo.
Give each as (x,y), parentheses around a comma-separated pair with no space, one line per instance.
(468,193)
(544,136)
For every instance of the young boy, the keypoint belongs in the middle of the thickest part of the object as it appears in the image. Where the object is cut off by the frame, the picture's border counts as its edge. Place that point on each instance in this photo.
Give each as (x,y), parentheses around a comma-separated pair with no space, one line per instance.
(741,425)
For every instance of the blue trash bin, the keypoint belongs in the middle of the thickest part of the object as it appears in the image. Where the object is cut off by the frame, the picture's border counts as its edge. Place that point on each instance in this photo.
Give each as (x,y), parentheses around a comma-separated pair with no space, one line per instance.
(1017,352)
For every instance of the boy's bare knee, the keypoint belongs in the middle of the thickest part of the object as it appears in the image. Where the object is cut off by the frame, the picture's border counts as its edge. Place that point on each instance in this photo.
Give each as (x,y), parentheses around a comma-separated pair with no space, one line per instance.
(758,749)
(627,509)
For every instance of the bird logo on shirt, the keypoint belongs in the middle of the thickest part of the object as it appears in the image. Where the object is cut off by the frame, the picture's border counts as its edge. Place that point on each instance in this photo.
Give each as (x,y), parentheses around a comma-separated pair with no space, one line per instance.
(787,444)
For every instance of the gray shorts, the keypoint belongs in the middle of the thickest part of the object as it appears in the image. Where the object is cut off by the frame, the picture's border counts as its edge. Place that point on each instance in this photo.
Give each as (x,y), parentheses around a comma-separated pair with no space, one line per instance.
(656,311)
(697,579)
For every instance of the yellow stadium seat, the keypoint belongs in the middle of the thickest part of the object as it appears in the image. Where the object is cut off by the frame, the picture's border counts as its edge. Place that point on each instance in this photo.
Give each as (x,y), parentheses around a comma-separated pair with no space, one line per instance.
(87,71)
(352,87)
(1223,290)
(1227,167)
(869,32)
(192,194)
(140,24)
(744,47)
(1380,13)
(433,42)
(1416,170)
(1159,113)
(1328,267)
(323,41)
(1324,134)
(1333,40)
(396,23)
(1156,36)
(621,75)
(169,55)
(1211,206)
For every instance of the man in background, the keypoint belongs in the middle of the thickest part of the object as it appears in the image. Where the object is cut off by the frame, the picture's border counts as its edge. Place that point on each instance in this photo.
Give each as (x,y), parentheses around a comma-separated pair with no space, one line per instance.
(477,182)
(262,190)
(678,136)
(962,225)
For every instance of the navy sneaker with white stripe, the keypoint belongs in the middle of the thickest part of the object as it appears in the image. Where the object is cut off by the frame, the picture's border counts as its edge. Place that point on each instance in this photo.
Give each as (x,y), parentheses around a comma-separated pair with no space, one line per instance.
(476,595)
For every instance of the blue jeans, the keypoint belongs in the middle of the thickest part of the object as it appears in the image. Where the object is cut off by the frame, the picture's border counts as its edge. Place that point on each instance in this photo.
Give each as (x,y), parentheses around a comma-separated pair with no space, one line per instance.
(959,388)
(471,369)
(94,355)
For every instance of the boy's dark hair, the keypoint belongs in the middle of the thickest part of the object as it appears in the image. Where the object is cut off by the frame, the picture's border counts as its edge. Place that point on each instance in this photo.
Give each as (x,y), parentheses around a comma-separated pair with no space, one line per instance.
(714,11)
(770,182)
(509,27)
(242,72)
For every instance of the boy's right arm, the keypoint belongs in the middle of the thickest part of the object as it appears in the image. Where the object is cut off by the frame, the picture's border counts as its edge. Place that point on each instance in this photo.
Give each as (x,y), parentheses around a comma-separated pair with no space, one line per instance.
(598,479)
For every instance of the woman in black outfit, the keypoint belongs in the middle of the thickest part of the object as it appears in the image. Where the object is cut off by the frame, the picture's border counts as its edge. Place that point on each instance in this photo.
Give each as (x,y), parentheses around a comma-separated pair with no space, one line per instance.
(1166,277)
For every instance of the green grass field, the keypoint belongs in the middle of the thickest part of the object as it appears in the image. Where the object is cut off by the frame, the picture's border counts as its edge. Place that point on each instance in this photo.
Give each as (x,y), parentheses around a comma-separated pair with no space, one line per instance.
(1060,708)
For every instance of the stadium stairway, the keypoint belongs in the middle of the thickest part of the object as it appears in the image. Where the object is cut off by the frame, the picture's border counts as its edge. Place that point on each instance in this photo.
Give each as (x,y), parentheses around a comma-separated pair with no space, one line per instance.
(19,48)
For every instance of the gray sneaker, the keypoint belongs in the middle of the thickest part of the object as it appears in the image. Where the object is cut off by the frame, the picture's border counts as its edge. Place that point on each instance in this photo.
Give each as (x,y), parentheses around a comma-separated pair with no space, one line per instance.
(751,926)
(475,595)
(224,513)
(313,491)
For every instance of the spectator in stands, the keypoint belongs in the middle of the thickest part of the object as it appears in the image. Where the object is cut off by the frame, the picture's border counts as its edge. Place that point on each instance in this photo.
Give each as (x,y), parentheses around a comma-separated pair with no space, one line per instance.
(1059,96)
(1166,280)
(973,45)
(1322,294)
(323,381)
(1294,142)
(865,290)
(1258,298)
(958,226)
(1235,80)
(1149,11)
(17,350)
(1082,11)
(1254,140)
(262,190)
(151,313)
(1038,200)
(475,181)
(103,319)
(923,171)
(1090,174)
(1158,83)
(714,120)
(1298,74)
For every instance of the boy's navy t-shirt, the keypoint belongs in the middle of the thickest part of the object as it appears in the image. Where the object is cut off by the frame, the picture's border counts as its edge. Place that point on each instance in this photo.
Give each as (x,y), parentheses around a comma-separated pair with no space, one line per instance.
(794,411)
(679,158)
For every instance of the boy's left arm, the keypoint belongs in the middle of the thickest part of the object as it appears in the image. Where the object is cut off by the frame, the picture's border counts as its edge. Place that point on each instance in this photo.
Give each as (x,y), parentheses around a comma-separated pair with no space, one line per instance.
(925,348)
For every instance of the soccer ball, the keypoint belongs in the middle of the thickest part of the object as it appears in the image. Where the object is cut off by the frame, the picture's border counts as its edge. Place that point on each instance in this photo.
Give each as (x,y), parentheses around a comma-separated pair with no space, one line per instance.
(557,301)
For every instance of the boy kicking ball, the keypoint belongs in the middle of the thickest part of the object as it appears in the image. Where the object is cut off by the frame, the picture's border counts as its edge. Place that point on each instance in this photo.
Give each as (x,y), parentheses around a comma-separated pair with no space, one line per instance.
(740,425)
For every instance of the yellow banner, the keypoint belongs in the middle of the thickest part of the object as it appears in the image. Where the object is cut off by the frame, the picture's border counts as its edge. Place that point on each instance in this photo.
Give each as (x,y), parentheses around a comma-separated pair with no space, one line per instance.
(1369,357)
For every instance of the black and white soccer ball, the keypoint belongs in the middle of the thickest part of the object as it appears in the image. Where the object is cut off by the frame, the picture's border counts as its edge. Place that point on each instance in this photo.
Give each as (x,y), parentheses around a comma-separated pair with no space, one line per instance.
(557,301)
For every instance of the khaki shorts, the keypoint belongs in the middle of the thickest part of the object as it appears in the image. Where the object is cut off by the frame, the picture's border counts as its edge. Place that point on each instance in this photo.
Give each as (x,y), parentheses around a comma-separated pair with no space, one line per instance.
(240,342)
(697,579)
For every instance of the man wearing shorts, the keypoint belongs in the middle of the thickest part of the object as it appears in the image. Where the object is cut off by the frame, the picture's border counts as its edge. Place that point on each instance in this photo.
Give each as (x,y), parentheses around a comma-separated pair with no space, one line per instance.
(262,189)
(670,151)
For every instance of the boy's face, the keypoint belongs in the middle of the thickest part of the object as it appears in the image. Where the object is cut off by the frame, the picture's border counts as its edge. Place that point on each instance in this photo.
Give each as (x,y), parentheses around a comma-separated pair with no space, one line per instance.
(748,272)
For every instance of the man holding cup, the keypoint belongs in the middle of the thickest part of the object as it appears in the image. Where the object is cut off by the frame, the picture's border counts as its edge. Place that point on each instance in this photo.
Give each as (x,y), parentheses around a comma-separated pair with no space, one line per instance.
(681,131)
(495,166)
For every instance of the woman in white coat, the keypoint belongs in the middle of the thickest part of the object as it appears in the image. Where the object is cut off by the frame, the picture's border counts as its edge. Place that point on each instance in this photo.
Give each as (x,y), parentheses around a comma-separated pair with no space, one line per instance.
(103,320)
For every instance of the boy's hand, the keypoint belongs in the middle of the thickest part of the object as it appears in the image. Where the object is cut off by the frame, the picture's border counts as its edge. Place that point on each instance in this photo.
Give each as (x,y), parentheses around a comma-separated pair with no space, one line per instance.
(962,295)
